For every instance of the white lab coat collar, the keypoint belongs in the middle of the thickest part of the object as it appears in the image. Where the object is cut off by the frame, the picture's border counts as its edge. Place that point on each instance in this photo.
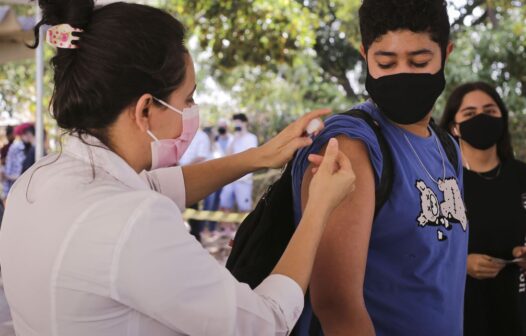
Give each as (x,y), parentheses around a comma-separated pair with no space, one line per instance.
(90,150)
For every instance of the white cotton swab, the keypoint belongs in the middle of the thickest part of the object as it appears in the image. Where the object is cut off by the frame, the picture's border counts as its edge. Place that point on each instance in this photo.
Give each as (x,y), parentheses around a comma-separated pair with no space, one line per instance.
(314,126)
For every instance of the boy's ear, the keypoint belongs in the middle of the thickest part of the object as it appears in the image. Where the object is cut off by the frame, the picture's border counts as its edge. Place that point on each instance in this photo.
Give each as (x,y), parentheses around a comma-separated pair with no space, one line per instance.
(362,51)
(449,49)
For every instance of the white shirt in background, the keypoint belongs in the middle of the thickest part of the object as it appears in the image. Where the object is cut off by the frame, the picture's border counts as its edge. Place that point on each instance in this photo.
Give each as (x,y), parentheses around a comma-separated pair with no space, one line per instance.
(222,145)
(198,151)
(90,248)
(240,143)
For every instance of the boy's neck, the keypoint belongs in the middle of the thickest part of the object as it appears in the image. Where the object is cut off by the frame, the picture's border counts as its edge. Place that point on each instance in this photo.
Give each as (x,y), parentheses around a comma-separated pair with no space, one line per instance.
(420,128)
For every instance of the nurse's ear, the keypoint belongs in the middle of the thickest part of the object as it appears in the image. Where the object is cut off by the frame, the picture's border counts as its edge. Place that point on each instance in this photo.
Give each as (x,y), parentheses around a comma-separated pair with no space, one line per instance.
(142,112)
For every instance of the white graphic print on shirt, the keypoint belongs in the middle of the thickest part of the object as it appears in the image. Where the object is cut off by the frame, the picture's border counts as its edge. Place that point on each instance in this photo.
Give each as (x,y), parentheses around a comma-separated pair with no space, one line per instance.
(444,214)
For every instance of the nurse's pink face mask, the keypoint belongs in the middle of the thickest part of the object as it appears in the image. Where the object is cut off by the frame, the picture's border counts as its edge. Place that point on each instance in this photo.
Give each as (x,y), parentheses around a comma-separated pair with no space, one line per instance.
(168,152)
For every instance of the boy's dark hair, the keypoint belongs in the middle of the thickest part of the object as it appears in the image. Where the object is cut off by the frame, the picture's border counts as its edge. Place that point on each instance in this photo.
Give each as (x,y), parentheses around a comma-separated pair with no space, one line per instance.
(378,17)
(9,130)
(125,50)
(241,117)
(504,145)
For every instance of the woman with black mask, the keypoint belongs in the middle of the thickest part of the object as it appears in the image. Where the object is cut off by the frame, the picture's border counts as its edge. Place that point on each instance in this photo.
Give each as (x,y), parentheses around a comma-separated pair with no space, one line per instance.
(495,196)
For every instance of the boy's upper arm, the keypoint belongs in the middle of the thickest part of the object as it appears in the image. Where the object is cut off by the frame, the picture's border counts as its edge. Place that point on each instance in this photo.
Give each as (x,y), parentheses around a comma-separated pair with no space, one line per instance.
(337,281)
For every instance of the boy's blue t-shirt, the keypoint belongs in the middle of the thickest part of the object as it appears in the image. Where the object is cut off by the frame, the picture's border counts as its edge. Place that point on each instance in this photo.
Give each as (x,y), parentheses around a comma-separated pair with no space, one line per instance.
(416,264)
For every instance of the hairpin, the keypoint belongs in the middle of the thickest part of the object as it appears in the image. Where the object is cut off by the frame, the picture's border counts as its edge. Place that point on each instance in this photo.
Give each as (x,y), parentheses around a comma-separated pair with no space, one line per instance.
(61,36)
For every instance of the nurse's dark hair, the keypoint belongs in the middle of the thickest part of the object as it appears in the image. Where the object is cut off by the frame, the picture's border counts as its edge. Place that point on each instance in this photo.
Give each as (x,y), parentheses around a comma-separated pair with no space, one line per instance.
(378,17)
(504,145)
(125,50)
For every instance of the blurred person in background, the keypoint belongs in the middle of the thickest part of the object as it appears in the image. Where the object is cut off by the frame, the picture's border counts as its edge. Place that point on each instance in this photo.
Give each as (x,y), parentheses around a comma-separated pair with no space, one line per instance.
(198,151)
(239,194)
(495,196)
(29,147)
(16,155)
(223,139)
(10,137)
(211,202)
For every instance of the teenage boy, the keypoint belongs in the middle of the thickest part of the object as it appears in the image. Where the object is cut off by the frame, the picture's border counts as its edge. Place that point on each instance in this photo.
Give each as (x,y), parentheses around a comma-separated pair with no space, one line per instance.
(401,271)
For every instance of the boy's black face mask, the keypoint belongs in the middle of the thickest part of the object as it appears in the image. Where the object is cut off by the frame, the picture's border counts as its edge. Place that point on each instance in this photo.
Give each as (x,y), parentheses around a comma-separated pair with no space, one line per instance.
(406,98)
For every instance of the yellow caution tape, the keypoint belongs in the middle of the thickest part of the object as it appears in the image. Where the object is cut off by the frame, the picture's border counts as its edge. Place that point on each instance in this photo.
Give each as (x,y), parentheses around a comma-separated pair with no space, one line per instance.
(220,216)
(214,216)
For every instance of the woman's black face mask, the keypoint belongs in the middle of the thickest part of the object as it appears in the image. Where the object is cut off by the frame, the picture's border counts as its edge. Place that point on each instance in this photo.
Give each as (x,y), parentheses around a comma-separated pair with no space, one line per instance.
(482,131)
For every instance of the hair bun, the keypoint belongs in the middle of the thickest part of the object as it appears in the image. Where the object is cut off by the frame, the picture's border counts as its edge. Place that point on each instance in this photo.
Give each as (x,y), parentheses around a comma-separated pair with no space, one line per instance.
(76,13)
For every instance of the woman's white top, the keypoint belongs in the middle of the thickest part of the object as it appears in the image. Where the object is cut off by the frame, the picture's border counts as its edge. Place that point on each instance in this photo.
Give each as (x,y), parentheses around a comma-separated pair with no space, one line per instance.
(89,247)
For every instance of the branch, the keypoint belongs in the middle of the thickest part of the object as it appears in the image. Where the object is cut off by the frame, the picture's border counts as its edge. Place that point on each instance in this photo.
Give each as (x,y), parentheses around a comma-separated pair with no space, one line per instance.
(469,11)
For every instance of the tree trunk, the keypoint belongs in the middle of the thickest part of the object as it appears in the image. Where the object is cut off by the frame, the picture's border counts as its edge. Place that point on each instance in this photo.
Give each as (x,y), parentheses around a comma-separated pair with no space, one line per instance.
(492,14)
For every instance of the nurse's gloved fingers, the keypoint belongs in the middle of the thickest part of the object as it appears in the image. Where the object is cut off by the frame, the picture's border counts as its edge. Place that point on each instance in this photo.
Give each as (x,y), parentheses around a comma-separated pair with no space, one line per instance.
(343,162)
(315,159)
(300,125)
(298,143)
(328,163)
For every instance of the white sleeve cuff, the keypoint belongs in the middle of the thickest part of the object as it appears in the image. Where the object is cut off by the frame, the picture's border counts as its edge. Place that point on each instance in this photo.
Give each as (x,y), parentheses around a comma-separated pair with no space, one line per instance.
(170,183)
(286,294)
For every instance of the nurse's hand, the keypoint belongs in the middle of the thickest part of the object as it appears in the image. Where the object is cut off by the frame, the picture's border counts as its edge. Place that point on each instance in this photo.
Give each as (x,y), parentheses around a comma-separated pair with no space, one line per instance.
(280,149)
(483,267)
(333,180)
(520,252)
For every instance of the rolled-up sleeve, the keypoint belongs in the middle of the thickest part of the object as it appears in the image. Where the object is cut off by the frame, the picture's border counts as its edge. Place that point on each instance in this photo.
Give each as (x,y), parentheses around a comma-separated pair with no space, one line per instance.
(285,293)
(169,182)
(163,272)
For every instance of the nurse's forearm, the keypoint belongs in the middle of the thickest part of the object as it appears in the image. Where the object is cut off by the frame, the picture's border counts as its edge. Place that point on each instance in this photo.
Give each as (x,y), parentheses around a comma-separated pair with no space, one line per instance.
(205,178)
(298,259)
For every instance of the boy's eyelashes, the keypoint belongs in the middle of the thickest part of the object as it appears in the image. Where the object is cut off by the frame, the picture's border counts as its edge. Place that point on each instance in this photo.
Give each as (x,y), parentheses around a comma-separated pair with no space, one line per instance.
(391,65)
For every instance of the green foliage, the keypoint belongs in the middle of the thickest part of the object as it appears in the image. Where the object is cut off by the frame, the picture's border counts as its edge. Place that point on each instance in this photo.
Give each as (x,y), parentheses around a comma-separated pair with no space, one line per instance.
(495,55)
(252,32)
(276,59)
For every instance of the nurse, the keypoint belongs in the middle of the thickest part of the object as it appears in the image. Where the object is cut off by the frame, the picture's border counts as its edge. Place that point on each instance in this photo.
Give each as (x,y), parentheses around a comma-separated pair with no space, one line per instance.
(91,244)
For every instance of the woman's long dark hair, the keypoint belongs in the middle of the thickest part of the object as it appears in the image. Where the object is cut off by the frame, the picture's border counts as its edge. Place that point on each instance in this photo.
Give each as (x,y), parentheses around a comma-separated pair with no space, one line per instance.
(125,51)
(504,146)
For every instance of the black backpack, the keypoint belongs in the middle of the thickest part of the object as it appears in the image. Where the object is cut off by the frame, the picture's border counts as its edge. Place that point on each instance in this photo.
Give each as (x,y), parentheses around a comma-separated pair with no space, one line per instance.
(265,233)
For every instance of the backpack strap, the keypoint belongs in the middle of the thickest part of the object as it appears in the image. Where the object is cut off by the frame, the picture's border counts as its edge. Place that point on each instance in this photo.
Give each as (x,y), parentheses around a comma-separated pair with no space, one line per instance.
(383,189)
(447,143)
